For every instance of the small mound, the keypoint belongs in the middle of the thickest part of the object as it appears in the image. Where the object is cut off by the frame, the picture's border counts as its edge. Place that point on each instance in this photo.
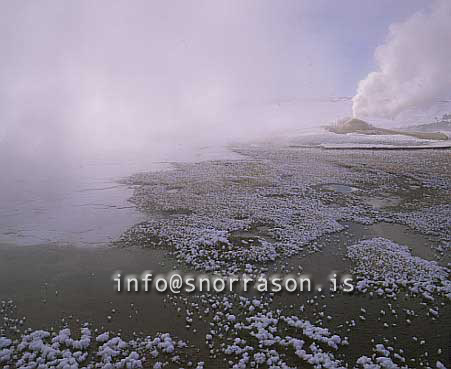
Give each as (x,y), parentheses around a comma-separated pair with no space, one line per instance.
(356,124)
(349,126)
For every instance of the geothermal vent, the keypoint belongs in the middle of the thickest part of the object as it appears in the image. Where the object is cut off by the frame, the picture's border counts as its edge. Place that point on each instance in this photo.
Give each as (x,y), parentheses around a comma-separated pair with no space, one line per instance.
(355,124)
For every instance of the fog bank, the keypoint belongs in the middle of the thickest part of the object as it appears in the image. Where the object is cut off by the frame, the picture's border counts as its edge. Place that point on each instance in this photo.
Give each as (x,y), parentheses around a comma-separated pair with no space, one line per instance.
(82,74)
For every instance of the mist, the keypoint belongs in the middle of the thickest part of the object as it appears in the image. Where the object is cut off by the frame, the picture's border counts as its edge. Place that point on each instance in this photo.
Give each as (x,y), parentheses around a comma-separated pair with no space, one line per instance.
(83,76)
(413,66)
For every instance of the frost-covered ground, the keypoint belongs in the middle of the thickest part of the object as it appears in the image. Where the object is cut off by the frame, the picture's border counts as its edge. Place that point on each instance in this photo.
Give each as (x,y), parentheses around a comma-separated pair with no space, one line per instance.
(324,138)
(286,197)
(284,208)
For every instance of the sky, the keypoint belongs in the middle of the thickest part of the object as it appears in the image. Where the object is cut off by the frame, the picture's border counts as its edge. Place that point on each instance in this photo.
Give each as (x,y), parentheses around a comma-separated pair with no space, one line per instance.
(97,75)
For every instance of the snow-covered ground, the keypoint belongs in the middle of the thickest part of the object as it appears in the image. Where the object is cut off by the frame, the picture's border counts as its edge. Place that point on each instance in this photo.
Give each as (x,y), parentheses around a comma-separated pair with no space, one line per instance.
(323,138)
(274,203)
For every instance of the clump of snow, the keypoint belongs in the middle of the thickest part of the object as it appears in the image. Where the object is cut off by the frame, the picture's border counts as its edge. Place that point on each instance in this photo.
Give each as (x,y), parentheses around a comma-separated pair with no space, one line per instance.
(386,266)
(4,342)
(41,349)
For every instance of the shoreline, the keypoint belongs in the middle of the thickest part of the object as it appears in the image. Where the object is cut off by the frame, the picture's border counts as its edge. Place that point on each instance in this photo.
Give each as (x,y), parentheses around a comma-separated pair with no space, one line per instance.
(64,286)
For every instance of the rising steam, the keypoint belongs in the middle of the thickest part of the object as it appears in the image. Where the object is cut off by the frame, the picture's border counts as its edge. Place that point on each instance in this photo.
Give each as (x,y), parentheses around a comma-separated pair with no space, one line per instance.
(95,75)
(414,66)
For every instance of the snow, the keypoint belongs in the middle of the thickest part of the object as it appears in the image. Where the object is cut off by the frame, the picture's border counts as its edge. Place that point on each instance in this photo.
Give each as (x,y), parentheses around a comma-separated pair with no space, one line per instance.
(5,342)
(39,349)
(387,267)
(423,146)
(249,215)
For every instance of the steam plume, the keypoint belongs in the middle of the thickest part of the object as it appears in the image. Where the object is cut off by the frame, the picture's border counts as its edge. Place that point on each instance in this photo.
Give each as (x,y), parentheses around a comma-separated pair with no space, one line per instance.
(414,66)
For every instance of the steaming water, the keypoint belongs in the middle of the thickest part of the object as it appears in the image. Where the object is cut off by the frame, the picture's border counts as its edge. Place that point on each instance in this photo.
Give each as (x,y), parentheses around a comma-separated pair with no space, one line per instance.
(78,200)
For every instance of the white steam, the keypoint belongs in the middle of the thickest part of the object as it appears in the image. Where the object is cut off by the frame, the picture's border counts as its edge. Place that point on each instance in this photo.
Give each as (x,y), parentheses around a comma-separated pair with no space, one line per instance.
(414,66)
(95,75)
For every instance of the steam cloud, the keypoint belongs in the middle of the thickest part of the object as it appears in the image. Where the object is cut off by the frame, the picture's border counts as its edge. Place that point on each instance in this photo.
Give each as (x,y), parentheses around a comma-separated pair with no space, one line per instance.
(414,66)
(86,74)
